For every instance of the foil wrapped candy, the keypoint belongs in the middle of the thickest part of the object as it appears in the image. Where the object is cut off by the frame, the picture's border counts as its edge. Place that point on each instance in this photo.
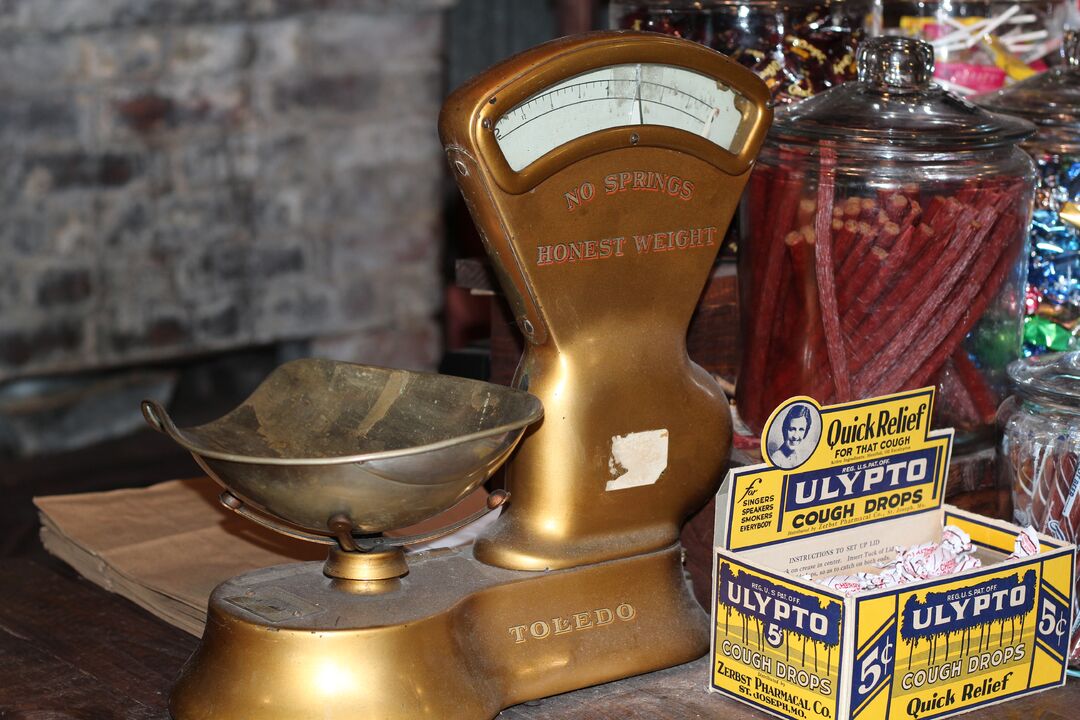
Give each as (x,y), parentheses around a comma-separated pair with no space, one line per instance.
(1053,303)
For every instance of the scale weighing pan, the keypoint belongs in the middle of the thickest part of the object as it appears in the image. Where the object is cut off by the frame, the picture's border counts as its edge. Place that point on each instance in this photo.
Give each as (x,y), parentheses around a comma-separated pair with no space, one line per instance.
(320,441)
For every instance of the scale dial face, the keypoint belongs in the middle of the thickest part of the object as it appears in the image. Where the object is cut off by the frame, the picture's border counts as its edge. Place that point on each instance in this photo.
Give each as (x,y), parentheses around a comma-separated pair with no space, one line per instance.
(619,96)
(643,106)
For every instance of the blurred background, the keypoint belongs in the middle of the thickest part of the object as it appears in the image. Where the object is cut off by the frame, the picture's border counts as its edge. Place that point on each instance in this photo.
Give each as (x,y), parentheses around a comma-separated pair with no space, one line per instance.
(195,191)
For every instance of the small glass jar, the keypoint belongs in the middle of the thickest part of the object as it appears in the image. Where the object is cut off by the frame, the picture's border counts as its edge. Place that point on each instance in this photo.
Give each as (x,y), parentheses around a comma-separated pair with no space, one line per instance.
(1052,101)
(981,45)
(882,247)
(798,47)
(1040,446)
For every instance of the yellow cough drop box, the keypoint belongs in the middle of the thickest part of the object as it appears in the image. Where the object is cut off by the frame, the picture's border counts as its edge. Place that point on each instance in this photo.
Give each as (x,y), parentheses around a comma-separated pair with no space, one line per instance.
(842,487)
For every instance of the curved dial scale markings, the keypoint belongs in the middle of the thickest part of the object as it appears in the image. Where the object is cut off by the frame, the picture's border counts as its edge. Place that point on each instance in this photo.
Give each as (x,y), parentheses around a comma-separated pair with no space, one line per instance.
(619,96)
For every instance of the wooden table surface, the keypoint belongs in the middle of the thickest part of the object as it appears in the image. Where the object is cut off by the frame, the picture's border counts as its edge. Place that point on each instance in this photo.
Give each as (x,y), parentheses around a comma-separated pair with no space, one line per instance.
(69,649)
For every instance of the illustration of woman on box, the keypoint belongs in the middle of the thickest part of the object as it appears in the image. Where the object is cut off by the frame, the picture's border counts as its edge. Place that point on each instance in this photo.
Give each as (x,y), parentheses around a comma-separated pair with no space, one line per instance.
(797,440)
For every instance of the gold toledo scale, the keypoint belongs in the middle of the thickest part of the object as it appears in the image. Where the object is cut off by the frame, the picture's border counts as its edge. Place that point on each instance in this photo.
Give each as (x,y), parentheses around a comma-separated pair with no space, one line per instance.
(602,172)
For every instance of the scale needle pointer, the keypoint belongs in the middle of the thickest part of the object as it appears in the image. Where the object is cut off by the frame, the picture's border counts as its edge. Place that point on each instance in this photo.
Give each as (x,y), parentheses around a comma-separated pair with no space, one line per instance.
(637,97)
(713,114)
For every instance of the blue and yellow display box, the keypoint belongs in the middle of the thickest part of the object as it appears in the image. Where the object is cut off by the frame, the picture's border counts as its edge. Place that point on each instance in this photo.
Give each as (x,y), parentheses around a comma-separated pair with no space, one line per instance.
(842,487)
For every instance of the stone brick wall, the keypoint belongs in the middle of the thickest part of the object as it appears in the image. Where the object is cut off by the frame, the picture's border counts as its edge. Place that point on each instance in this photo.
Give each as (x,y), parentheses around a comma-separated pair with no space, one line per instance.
(185,176)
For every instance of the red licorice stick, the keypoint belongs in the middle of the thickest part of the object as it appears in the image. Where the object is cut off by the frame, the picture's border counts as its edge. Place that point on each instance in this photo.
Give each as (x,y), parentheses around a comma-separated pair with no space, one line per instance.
(852,284)
(858,248)
(869,231)
(749,382)
(964,311)
(912,216)
(929,296)
(852,276)
(908,192)
(852,208)
(844,244)
(943,221)
(872,264)
(801,248)
(919,257)
(823,261)
(911,288)
(945,333)
(855,309)
(955,400)
(982,396)
(840,235)
(861,282)
(813,369)
(937,203)
(805,213)
(884,238)
(780,375)
(970,192)
(758,201)
(868,210)
(895,206)
(766,183)
(788,303)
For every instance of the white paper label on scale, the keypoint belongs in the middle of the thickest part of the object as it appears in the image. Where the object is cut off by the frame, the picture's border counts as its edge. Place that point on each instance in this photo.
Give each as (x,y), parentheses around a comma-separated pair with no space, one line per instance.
(617,96)
(641,456)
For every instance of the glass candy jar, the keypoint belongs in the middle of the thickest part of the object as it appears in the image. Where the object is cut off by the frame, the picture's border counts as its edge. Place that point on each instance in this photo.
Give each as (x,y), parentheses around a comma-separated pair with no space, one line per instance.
(882,243)
(1040,446)
(981,45)
(798,47)
(1052,101)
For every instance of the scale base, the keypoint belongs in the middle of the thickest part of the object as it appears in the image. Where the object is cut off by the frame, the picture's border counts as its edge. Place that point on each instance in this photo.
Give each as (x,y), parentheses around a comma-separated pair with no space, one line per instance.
(456,639)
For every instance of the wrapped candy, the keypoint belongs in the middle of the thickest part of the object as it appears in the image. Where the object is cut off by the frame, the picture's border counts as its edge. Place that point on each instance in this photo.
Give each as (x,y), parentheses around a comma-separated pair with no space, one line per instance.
(1054,272)
(1027,544)
(797,48)
(952,555)
(1052,101)
(981,46)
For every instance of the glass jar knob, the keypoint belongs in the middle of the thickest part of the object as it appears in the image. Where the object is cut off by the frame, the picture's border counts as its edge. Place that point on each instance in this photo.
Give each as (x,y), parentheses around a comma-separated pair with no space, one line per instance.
(896,64)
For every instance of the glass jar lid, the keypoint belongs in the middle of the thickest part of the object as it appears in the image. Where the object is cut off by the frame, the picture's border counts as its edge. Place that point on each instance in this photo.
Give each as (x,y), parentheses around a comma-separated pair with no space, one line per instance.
(1054,377)
(894,102)
(1049,99)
